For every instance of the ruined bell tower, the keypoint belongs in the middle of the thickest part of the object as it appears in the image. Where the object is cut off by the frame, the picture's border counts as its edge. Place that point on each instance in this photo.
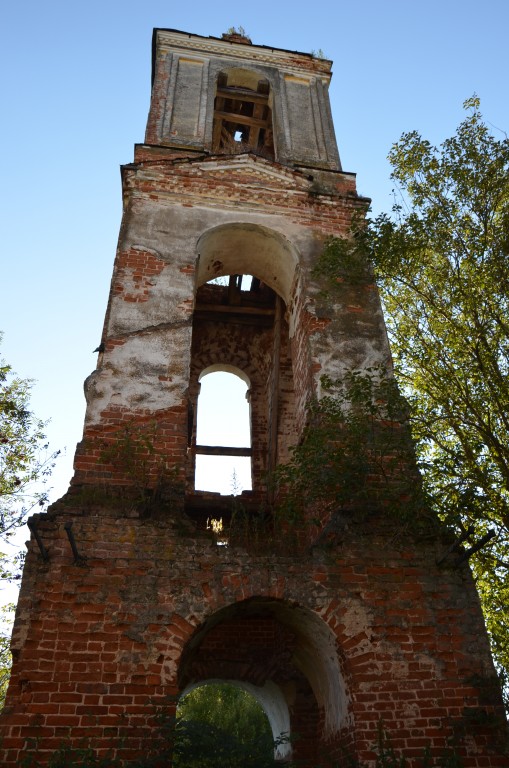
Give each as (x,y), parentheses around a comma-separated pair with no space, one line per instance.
(128,599)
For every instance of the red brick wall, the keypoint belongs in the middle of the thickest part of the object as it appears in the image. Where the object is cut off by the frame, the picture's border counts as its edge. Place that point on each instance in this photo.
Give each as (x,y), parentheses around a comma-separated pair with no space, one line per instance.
(140,269)
(365,629)
(132,449)
(152,603)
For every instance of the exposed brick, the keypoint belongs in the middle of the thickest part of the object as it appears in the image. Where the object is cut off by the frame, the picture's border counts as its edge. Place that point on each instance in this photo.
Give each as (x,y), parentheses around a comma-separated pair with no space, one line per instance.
(363,629)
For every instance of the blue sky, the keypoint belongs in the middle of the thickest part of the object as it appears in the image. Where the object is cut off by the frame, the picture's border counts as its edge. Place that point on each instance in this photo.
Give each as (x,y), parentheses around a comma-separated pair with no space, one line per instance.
(76,89)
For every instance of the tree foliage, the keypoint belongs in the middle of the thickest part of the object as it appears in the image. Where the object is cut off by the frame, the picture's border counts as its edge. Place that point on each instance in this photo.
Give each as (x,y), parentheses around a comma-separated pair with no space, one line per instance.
(442,263)
(6,613)
(222,725)
(355,452)
(25,464)
(24,456)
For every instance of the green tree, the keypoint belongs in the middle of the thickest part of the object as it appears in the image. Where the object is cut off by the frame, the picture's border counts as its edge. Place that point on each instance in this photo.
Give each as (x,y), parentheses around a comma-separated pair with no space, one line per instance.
(219,724)
(25,461)
(442,262)
(25,465)
(5,652)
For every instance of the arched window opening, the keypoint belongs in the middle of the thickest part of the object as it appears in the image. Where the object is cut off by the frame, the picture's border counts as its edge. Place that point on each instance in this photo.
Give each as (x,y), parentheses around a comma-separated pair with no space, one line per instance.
(242,114)
(223,432)
(241,321)
(224,722)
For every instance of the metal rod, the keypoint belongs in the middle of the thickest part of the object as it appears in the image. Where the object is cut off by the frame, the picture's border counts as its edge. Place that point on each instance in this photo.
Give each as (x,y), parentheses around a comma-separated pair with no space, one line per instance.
(72,542)
(33,529)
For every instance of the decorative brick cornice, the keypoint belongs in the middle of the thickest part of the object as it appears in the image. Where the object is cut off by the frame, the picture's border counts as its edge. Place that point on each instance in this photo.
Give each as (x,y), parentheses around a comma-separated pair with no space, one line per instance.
(302,64)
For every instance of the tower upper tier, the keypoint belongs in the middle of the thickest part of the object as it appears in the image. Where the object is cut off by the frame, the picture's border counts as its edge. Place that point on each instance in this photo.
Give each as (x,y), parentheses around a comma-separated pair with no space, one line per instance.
(225,96)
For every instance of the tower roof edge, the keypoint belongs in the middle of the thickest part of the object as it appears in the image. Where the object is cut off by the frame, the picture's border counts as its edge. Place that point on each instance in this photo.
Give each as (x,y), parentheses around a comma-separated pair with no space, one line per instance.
(224,45)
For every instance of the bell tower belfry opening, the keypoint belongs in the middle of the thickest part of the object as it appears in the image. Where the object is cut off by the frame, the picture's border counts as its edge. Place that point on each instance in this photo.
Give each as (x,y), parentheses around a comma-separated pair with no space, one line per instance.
(339,623)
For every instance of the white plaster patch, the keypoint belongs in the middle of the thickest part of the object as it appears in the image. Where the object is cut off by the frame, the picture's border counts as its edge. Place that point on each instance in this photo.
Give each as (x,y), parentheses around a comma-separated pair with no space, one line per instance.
(274,704)
(168,292)
(317,658)
(149,371)
(355,619)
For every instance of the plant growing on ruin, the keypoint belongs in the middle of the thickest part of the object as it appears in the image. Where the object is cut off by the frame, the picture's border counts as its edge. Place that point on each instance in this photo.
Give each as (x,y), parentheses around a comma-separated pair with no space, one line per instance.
(197,743)
(67,756)
(355,453)
(134,458)
(441,261)
(318,54)
(237,31)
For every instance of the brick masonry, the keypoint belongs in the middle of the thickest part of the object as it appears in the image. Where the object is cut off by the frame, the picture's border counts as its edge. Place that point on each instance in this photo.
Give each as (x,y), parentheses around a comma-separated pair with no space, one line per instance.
(360,628)
(368,630)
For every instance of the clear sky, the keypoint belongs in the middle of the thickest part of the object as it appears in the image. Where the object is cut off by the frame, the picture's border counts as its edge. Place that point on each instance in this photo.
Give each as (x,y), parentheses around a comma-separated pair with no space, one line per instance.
(75,92)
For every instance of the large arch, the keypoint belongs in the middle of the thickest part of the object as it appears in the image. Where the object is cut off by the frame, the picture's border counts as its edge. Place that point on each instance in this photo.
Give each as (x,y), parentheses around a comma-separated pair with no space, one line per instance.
(302,644)
(251,249)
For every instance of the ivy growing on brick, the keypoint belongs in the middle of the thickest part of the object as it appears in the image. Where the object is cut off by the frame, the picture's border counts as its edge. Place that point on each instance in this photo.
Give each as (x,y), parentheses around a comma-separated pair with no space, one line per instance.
(356,454)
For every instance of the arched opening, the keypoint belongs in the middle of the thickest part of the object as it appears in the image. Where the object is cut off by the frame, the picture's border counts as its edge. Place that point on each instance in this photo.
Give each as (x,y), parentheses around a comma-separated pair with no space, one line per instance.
(284,655)
(249,249)
(243,113)
(230,716)
(247,319)
(223,431)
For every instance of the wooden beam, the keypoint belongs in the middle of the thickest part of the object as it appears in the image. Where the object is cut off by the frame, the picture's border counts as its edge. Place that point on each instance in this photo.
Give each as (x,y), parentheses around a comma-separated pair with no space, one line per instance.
(235,310)
(235,117)
(222,450)
(243,95)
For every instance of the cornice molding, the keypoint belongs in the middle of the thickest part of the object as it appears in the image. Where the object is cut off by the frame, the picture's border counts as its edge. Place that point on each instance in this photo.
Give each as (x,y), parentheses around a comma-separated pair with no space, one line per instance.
(301,64)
